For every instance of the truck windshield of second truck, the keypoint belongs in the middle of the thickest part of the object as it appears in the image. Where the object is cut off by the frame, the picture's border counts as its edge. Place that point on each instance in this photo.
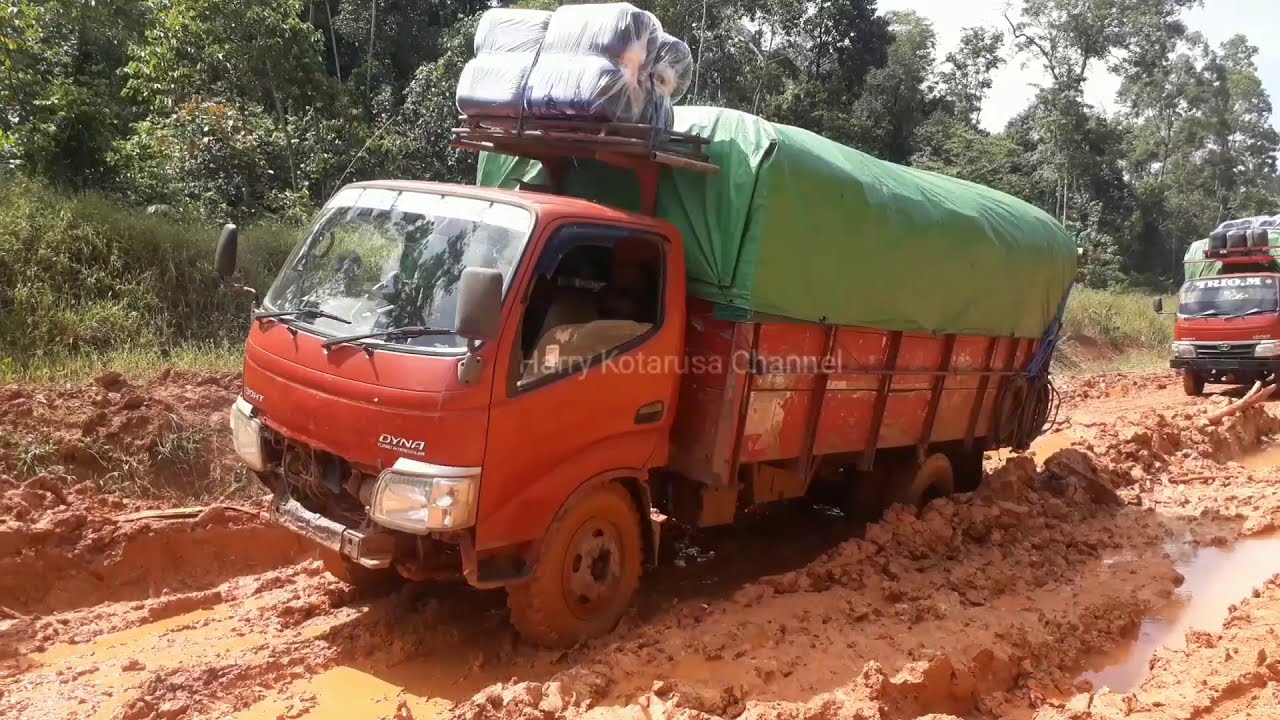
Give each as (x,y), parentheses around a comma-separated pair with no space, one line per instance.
(1224,297)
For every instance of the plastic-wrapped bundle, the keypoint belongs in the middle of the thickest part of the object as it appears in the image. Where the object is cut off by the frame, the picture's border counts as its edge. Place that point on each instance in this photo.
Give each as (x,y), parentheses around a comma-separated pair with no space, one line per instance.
(669,70)
(506,46)
(671,65)
(595,64)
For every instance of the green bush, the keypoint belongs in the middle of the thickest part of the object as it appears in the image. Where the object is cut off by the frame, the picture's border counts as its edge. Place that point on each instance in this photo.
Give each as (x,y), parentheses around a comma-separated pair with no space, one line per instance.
(1120,320)
(210,159)
(82,275)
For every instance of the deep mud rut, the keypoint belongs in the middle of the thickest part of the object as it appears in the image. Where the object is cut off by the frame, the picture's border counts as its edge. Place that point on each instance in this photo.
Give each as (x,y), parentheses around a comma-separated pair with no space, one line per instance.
(1009,602)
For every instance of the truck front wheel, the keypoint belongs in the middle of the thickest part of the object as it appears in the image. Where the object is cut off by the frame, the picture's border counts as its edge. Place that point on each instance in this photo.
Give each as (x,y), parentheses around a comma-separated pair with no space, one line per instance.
(587,573)
(1192,383)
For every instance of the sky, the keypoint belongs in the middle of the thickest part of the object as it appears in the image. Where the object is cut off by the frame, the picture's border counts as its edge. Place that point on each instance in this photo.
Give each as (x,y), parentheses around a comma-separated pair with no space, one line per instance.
(1015,85)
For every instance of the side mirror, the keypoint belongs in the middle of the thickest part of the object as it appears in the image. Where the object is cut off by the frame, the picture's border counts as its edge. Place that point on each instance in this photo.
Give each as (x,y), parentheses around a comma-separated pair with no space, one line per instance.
(224,259)
(1158,305)
(479,304)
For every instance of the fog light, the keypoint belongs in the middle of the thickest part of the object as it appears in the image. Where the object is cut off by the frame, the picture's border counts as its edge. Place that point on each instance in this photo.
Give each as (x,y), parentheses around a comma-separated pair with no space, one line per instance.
(1184,350)
(246,435)
(419,497)
(1267,349)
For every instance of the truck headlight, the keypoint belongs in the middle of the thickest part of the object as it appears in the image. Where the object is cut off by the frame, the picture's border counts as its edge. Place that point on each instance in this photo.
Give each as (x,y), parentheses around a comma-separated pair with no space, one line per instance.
(419,497)
(1267,349)
(1184,350)
(246,435)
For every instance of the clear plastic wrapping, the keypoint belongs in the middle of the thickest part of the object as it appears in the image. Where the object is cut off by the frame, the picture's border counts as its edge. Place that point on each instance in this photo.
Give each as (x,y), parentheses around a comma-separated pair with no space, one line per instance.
(593,64)
(506,45)
(672,67)
(601,62)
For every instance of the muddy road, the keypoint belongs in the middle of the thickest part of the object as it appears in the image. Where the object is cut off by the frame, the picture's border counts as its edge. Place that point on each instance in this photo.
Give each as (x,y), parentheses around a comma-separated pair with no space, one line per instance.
(1128,566)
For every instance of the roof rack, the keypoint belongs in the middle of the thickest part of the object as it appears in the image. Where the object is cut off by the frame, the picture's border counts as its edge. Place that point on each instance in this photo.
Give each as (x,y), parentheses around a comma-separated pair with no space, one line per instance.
(620,144)
(1238,256)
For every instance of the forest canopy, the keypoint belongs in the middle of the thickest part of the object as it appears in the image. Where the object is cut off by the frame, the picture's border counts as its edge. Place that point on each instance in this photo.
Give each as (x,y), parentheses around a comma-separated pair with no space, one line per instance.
(259,109)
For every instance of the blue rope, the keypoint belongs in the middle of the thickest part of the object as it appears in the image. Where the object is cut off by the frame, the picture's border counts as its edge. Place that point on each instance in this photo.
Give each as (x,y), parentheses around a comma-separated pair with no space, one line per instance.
(1039,365)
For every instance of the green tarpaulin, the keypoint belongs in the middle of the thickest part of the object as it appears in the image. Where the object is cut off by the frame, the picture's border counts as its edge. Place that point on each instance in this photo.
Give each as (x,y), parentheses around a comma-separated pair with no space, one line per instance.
(798,226)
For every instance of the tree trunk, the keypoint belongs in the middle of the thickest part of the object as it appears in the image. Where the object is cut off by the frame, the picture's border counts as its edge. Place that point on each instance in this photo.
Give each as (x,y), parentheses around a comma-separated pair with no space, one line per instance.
(333,40)
(373,23)
(284,126)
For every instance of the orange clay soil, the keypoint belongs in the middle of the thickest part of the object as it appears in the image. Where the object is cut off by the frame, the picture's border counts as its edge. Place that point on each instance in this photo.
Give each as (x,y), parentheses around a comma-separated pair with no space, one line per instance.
(984,605)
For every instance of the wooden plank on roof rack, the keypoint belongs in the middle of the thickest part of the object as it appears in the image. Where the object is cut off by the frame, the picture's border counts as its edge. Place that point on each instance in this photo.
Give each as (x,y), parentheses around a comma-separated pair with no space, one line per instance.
(632,130)
(539,137)
(544,140)
(546,150)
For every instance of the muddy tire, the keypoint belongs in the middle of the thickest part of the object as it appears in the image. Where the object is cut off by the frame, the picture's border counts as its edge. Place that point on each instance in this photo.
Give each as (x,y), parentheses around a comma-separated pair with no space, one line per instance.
(1192,383)
(916,485)
(355,574)
(587,572)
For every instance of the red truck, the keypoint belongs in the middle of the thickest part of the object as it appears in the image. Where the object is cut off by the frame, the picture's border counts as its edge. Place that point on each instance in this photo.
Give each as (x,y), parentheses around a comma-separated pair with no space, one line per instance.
(521,387)
(1227,327)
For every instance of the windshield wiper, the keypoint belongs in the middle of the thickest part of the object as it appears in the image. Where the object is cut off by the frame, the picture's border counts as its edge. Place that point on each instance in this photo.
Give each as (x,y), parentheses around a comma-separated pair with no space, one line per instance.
(404,333)
(301,312)
(1208,313)
(1254,311)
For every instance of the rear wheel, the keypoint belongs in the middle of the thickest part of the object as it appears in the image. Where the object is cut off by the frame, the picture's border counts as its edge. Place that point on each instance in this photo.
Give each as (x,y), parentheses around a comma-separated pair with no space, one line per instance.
(1192,383)
(587,573)
(918,485)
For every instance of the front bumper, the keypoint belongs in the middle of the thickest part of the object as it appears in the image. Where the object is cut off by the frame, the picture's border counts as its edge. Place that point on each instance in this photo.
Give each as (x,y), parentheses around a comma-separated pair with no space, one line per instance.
(371,549)
(1253,365)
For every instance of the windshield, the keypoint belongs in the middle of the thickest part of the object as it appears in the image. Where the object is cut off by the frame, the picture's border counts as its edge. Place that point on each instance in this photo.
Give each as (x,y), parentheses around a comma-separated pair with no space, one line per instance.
(388,259)
(1227,296)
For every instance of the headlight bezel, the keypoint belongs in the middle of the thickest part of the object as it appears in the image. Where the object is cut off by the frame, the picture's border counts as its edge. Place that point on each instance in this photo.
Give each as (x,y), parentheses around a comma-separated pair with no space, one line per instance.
(1183,350)
(1272,347)
(246,436)
(421,491)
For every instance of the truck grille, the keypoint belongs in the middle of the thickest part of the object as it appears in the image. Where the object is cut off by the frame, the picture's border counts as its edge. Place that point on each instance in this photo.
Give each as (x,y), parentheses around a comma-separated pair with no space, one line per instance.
(1226,351)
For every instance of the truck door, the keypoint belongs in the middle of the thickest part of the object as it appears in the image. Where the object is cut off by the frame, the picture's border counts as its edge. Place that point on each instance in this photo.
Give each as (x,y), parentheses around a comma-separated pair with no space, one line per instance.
(591,375)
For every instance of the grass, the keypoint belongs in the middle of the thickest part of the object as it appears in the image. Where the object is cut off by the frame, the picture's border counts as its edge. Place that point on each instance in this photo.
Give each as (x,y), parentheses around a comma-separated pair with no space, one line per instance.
(137,363)
(1109,331)
(85,280)
(1121,320)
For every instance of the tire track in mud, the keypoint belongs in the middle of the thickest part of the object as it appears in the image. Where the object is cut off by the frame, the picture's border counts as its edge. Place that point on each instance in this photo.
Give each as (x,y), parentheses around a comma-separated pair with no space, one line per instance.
(984,605)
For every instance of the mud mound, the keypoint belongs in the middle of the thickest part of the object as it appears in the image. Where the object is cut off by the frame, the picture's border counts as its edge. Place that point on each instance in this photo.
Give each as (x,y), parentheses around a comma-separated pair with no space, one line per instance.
(165,437)
(1077,391)
(65,548)
(927,603)
(1138,450)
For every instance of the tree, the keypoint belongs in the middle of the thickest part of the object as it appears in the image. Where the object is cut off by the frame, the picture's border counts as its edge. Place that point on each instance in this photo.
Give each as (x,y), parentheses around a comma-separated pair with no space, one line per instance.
(897,97)
(60,106)
(965,81)
(1242,144)
(1067,37)
(258,52)
(211,158)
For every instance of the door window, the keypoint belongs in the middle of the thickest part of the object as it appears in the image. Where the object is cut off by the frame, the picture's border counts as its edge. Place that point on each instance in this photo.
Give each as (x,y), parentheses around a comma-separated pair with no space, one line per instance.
(598,292)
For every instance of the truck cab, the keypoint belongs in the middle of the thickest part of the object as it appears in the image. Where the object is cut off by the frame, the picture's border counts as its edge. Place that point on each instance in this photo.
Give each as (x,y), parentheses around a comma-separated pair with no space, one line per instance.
(1227,327)
(424,338)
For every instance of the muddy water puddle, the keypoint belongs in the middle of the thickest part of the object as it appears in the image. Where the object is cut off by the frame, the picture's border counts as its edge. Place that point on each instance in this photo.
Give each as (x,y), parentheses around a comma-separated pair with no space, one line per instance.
(1215,579)
(1264,458)
(1040,449)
